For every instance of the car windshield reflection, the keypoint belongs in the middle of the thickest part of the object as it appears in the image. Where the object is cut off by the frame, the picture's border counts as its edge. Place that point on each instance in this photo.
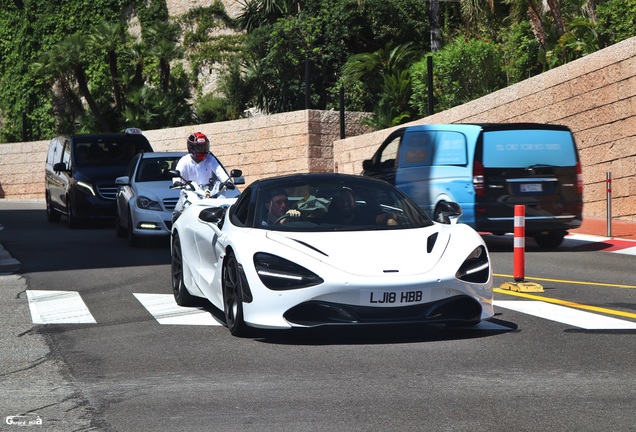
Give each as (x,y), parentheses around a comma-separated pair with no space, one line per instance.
(337,206)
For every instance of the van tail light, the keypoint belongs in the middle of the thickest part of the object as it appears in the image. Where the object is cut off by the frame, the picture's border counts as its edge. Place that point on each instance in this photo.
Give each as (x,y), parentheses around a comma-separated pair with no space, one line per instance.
(479,181)
(579,178)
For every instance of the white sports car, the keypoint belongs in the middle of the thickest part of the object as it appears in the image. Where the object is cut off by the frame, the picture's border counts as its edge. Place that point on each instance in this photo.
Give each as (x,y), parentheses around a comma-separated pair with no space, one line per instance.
(350,250)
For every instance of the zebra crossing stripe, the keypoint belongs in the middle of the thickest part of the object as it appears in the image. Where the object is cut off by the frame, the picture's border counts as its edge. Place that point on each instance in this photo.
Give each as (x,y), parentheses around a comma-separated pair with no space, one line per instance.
(566,315)
(58,307)
(166,311)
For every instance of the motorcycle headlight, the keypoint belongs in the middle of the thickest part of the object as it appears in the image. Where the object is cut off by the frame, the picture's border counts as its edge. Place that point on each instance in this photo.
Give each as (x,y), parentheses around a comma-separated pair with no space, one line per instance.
(476,267)
(147,204)
(277,273)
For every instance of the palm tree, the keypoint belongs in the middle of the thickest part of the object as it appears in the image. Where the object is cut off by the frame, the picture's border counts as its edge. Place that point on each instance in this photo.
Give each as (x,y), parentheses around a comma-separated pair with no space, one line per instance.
(385,69)
(257,13)
(68,57)
(109,37)
(165,49)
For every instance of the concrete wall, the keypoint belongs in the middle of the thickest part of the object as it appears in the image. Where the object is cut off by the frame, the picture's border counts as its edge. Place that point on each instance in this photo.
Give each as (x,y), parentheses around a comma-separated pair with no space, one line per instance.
(595,96)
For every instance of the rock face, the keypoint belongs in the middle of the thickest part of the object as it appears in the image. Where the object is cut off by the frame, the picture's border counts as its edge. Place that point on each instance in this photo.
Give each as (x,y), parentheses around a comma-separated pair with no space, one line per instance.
(178,7)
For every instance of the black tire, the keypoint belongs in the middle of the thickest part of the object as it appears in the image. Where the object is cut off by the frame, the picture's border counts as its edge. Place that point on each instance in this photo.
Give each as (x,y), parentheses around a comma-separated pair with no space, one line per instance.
(51,215)
(233,297)
(179,290)
(133,240)
(550,240)
(73,221)
(120,231)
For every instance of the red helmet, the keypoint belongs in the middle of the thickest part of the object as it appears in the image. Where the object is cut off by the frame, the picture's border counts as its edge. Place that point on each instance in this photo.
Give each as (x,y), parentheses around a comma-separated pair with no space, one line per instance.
(198,146)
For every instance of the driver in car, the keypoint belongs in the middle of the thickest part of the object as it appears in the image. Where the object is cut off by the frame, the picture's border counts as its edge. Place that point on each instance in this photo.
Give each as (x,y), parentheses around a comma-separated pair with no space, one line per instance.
(277,206)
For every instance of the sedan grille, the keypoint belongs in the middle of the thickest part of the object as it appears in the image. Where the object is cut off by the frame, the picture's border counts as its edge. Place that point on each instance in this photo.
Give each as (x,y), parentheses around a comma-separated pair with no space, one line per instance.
(107,191)
(170,203)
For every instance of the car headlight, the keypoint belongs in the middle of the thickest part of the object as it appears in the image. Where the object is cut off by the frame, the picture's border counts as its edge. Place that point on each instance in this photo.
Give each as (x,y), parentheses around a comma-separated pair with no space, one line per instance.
(147,204)
(476,267)
(277,273)
(86,187)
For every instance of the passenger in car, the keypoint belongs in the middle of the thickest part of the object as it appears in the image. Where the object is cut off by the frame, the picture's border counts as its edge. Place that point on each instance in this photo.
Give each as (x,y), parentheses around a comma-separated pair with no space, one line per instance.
(344,210)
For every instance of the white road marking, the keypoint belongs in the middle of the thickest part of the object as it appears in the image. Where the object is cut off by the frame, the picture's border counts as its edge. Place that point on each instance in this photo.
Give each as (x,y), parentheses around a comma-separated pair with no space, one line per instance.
(566,315)
(67,307)
(167,311)
(626,251)
(58,307)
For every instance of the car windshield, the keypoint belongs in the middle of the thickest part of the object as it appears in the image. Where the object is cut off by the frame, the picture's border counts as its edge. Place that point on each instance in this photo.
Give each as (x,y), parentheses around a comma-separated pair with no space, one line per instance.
(156,169)
(107,150)
(337,204)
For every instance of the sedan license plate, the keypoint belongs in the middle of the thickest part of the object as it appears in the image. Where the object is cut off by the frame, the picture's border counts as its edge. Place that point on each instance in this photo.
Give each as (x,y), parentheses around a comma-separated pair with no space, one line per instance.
(391,298)
(531,187)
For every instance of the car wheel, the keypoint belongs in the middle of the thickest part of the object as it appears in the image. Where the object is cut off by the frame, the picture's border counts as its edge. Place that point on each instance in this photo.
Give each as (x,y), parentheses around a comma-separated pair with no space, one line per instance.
(133,240)
(73,221)
(181,294)
(550,240)
(51,215)
(233,297)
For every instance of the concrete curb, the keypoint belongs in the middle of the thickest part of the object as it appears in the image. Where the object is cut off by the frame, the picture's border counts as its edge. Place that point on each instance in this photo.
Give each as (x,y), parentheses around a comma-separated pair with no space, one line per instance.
(8,264)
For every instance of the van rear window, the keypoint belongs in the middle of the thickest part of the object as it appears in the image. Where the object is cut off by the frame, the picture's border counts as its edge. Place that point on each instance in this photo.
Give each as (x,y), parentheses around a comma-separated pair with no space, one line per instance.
(524,148)
(426,148)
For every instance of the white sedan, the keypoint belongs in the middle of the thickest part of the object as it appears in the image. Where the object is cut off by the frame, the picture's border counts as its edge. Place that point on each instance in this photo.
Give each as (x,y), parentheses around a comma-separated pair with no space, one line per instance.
(350,250)
(145,200)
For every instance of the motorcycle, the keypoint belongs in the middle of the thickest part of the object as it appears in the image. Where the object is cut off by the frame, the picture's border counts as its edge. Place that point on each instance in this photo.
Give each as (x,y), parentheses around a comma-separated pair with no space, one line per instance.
(213,194)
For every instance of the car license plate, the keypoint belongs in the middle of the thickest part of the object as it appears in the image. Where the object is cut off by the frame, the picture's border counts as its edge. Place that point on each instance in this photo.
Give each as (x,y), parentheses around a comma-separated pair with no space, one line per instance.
(530,187)
(391,298)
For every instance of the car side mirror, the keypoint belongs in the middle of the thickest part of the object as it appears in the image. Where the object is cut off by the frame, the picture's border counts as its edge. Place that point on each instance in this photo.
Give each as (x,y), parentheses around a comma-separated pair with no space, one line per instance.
(122,181)
(59,167)
(448,212)
(368,165)
(212,214)
(237,177)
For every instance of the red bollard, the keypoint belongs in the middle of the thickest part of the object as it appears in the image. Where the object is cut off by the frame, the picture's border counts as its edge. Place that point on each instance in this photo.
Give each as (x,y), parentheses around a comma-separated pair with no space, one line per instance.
(520,284)
(519,243)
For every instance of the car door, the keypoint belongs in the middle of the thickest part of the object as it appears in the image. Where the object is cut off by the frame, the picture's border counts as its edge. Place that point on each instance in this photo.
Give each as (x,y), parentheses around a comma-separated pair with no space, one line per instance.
(60,180)
(206,241)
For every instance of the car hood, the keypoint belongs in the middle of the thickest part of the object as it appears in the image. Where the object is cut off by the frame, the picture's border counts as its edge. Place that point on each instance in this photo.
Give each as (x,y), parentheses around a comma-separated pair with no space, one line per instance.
(156,189)
(100,174)
(372,253)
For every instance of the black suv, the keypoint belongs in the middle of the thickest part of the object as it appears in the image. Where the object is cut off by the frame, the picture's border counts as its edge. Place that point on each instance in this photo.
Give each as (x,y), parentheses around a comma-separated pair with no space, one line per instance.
(81,172)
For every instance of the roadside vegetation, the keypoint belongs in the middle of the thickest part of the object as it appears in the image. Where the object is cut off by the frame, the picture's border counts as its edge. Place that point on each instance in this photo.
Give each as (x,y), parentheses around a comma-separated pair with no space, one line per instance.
(103,65)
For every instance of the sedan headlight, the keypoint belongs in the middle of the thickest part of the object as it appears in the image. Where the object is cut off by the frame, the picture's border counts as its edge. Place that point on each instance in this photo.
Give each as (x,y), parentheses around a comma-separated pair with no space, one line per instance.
(476,267)
(277,273)
(86,187)
(148,204)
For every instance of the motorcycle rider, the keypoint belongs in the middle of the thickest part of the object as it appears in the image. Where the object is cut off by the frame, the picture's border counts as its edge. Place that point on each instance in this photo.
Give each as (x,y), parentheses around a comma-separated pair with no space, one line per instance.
(199,165)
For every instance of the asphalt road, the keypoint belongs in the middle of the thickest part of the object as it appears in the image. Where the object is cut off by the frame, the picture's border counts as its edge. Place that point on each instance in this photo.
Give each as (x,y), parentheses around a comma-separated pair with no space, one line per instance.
(570,368)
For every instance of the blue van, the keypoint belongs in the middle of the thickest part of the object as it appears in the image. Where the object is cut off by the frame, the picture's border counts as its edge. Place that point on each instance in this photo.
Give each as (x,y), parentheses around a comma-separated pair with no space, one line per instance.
(487,169)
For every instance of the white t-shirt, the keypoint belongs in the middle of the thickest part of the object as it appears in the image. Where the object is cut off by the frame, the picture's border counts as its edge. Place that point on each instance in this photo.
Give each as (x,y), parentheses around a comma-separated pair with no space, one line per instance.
(201,172)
